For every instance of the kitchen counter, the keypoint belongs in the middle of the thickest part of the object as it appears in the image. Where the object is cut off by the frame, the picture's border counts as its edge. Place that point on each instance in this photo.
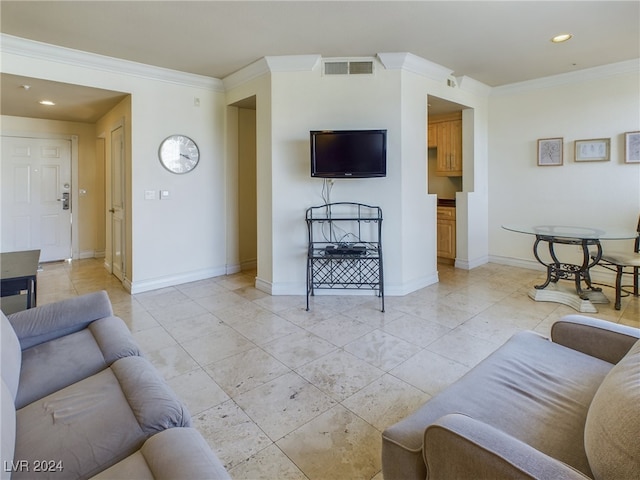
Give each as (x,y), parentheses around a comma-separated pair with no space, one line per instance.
(447,202)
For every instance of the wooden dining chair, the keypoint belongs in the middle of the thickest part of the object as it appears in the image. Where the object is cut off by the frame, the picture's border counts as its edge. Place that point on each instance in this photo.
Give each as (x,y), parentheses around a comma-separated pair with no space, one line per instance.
(623,263)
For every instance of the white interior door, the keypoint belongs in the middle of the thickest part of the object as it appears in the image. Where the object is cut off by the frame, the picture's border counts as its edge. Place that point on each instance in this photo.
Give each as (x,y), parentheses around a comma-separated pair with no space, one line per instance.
(117,203)
(36,196)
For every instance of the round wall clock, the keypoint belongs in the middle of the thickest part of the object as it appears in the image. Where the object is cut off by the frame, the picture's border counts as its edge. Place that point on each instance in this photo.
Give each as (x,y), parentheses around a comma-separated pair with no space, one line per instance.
(179,154)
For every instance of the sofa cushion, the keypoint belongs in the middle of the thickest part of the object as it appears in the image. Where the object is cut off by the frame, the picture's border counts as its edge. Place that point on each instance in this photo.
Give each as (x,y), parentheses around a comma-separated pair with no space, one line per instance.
(171,454)
(154,404)
(612,428)
(53,365)
(10,355)
(94,423)
(54,320)
(530,388)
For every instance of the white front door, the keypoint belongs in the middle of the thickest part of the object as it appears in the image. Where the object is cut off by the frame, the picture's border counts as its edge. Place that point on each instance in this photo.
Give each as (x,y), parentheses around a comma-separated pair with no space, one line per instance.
(117,203)
(36,196)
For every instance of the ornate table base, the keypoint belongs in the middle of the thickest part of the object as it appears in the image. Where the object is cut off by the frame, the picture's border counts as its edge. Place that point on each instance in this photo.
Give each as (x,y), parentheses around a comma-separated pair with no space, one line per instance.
(563,293)
(580,299)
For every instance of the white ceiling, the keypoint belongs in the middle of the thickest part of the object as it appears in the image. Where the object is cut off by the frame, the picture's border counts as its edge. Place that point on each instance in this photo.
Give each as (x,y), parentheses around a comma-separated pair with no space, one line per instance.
(494,42)
(74,103)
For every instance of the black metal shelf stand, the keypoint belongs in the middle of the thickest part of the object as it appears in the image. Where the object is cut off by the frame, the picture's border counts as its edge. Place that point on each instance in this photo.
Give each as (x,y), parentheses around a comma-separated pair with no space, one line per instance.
(345,248)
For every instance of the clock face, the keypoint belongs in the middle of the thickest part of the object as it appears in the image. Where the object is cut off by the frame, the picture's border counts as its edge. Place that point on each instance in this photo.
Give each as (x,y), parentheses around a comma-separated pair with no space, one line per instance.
(179,154)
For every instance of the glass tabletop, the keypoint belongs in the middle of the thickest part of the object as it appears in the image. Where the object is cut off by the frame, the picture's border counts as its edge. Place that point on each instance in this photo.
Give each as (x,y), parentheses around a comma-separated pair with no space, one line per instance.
(568,231)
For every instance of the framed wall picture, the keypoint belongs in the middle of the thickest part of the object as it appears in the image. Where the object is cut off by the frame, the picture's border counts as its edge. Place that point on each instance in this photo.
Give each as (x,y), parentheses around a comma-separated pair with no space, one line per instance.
(550,151)
(632,147)
(593,150)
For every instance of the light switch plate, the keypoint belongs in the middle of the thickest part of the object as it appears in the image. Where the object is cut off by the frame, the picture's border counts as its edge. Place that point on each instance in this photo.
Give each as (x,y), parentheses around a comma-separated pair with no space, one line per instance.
(149,194)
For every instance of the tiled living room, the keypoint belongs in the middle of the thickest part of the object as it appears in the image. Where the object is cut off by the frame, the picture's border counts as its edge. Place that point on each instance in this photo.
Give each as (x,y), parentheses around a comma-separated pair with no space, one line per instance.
(279,392)
(486,143)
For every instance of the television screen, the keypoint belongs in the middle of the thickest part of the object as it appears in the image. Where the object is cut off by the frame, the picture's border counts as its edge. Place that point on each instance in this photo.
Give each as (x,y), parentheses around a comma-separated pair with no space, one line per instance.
(348,153)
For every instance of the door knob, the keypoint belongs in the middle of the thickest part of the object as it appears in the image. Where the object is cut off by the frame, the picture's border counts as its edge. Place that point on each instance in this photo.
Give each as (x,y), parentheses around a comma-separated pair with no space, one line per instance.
(64,200)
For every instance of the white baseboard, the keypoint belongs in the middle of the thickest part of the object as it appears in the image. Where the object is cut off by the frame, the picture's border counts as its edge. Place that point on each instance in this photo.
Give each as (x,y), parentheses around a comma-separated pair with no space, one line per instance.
(517,262)
(84,254)
(126,283)
(598,274)
(264,286)
(230,269)
(248,265)
(172,280)
(471,264)
(409,287)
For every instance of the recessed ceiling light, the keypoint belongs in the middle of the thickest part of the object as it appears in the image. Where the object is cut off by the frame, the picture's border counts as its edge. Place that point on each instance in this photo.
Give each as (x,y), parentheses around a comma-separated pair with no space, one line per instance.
(563,37)
(46,102)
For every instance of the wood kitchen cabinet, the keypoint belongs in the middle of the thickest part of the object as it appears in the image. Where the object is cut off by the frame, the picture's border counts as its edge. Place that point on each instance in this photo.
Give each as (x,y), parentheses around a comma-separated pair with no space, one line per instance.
(446,239)
(448,142)
(432,133)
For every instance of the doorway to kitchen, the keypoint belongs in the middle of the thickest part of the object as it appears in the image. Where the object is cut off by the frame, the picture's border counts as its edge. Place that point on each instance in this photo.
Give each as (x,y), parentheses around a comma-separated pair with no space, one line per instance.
(450,170)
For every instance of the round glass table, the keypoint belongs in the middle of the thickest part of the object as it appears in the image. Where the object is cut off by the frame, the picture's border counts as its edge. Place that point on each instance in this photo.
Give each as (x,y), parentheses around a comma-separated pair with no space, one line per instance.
(588,240)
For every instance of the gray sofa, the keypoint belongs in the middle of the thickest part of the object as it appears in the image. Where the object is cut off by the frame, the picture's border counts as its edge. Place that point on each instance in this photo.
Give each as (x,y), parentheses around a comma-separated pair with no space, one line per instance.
(564,408)
(80,400)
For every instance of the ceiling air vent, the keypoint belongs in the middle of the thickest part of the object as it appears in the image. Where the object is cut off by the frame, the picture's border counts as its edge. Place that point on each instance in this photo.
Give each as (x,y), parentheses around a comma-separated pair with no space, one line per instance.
(361,68)
(347,67)
(336,68)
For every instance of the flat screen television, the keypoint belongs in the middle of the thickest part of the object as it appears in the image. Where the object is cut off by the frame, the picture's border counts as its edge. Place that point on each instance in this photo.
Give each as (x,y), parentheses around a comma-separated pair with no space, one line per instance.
(348,153)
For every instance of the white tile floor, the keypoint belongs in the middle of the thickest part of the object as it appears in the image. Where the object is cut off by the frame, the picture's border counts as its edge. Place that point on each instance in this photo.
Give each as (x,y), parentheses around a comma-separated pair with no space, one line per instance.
(281,393)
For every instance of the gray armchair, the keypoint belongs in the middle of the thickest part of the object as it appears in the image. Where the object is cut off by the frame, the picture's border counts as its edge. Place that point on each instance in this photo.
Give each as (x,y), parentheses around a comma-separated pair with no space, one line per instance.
(565,407)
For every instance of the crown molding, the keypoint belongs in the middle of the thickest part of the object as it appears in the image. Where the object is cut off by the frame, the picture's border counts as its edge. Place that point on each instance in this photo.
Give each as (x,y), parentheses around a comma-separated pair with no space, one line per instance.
(585,75)
(293,63)
(471,85)
(246,74)
(44,51)
(413,63)
(271,64)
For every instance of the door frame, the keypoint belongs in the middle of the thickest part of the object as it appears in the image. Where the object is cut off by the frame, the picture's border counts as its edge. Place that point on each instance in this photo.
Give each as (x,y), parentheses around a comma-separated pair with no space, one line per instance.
(121,272)
(75,252)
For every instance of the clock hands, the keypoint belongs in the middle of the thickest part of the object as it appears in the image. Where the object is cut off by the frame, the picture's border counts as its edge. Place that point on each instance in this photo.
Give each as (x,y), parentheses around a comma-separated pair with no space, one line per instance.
(185,156)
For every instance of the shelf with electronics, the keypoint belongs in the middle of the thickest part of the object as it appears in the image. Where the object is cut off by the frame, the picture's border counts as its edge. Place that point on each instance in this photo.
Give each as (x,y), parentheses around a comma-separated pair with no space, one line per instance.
(345,248)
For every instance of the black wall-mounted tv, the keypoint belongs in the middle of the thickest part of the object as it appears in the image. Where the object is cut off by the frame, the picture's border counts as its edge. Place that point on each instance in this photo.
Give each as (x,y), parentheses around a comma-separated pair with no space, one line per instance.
(348,153)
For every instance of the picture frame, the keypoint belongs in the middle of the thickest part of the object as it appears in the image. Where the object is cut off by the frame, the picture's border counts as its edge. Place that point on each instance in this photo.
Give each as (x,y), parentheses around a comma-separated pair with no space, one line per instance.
(632,147)
(593,150)
(550,151)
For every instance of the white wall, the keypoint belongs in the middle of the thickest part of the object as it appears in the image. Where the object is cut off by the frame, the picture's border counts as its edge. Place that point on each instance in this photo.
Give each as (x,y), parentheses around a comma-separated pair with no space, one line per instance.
(183,238)
(302,99)
(600,103)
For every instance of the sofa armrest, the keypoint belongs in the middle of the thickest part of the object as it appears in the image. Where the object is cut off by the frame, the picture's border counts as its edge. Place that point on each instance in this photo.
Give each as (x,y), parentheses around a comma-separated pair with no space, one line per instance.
(457,446)
(605,340)
(54,320)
